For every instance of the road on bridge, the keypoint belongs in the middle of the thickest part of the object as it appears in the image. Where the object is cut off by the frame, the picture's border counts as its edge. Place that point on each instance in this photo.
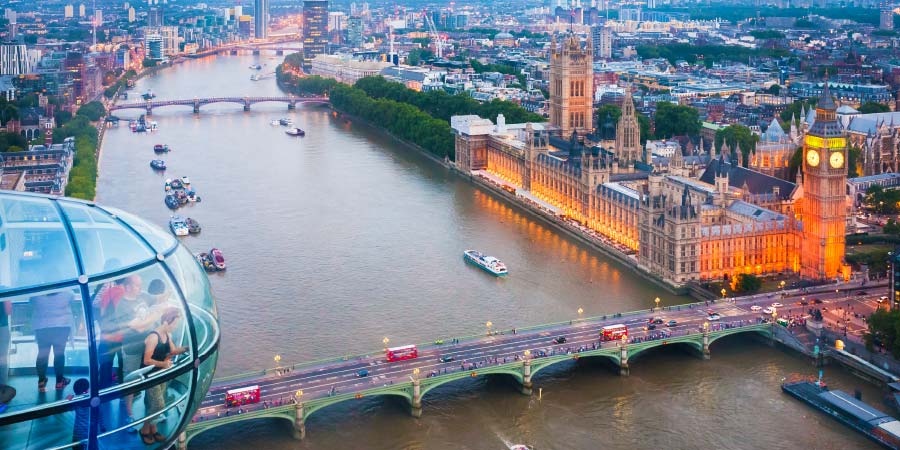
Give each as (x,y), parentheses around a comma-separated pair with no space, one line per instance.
(342,376)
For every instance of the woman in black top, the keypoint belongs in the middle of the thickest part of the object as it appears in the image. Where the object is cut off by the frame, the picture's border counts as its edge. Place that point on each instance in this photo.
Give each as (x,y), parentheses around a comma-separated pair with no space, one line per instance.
(158,352)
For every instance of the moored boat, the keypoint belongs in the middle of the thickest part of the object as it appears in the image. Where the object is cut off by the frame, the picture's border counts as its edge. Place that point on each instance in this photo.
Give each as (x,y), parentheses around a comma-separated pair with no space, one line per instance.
(178,226)
(295,132)
(158,164)
(207,264)
(186,181)
(172,202)
(193,225)
(275,123)
(215,255)
(176,183)
(285,122)
(168,184)
(487,263)
(161,148)
(192,196)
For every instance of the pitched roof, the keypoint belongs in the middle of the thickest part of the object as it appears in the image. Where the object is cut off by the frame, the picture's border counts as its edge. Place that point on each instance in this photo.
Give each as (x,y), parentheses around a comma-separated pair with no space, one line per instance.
(756,182)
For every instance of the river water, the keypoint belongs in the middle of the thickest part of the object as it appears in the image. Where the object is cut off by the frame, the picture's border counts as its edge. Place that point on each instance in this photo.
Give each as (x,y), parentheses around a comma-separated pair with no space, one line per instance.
(341,238)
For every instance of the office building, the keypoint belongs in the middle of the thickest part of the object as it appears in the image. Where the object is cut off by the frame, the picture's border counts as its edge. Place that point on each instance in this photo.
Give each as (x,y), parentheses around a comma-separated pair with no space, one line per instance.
(153,44)
(261,19)
(16,59)
(315,30)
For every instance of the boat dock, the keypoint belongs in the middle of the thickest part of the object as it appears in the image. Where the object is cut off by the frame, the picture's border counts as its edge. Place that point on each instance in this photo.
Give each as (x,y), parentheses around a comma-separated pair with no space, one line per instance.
(854,413)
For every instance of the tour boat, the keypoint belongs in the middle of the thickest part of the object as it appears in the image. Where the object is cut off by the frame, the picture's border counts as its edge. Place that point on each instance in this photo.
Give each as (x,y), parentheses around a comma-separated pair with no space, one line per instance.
(158,164)
(285,122)
(192,196)
(161,148)
(203,258)
(178,226)
(186,181)
(172,202)
(215,255)
(192,225)
(176,183)
(487,263)
(275,123)
(295,132)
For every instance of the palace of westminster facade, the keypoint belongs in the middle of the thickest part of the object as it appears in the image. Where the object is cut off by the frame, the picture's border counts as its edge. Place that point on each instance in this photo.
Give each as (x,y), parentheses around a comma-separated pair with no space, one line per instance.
(692,219)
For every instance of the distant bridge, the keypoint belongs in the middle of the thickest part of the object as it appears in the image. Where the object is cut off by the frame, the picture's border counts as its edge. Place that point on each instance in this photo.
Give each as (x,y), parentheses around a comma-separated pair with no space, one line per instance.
(196,103)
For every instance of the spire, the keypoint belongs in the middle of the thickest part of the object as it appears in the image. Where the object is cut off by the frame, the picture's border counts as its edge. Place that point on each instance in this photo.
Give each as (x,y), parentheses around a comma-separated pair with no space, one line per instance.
(826,103)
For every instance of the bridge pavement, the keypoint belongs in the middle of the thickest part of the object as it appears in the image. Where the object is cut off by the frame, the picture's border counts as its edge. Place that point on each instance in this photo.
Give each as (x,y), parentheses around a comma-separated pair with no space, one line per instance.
(337,380)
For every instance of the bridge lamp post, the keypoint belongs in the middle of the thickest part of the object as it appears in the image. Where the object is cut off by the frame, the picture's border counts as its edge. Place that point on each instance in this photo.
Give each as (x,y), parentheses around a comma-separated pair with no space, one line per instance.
(488,324)
(277,361)
(723,293)
(385,342)
(580,312)
(657,303)
(416,373)
(298,395)
(782,288)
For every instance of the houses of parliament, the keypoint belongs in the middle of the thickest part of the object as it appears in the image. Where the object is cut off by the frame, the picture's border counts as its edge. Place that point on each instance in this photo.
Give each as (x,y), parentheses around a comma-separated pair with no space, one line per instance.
(684,219)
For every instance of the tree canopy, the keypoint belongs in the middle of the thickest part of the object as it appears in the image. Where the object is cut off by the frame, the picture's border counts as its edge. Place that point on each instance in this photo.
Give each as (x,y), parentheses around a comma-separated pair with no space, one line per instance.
(676,120)
(93,111)
(738,137)
(884,331)
(874,107)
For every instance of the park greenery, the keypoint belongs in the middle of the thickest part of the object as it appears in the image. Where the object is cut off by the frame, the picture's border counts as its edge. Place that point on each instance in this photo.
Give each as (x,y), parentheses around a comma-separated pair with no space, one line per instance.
(676,120)
(883,201)
(12,142)
(501,68)
(873,107)
(418,56)
(747,283)
(706,54)
(884,331)
(83,176)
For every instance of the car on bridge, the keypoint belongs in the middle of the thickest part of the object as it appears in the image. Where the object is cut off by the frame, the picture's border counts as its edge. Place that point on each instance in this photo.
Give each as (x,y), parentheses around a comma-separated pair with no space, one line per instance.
(651,326)
(755,308)
(361,373)
(656,320)
(777,305)
(446,359)
(713,316)
(672,323)
(768,310)
(560,340)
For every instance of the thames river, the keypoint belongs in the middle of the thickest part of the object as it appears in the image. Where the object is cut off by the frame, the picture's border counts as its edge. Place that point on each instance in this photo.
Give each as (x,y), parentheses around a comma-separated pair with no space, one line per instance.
(341,238)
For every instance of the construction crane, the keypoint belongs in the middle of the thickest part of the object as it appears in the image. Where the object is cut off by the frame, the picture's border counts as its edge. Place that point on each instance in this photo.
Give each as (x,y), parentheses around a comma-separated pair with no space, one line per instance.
(438,42)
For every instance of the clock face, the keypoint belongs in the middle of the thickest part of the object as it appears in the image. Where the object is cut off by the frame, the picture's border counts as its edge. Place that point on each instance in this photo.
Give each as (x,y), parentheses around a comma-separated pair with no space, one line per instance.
(812,158)
(836,160)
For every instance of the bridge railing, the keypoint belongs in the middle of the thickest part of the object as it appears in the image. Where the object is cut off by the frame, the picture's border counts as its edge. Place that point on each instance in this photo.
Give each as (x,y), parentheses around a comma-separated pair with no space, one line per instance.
(460,339)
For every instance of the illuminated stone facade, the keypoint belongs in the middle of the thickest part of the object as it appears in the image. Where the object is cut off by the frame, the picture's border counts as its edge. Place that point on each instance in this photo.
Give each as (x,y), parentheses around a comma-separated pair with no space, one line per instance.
(773,151)
(729,220)
(571,86)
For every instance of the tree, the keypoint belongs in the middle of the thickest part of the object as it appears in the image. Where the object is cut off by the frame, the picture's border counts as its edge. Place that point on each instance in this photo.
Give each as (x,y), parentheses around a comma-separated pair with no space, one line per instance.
(746,282)
(794,109)
(419,55)
(891,227)
(853,153)
(884,331)
(676,120)
(774,89)
(873,107)
(93,111)
(148,62)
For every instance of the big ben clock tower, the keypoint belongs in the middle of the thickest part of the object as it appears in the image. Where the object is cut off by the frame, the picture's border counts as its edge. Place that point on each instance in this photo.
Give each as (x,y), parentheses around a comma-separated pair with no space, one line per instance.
(824,184)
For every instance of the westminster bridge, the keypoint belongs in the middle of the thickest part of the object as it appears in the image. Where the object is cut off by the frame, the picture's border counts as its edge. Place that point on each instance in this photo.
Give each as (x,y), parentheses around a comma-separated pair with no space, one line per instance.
(196,103)
(295,392)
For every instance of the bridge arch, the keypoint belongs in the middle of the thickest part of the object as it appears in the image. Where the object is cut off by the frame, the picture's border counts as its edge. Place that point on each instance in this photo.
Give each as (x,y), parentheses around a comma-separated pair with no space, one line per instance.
(319,404)
(689,343)
(197,428)
(537,365)
(498,370)
(764,332)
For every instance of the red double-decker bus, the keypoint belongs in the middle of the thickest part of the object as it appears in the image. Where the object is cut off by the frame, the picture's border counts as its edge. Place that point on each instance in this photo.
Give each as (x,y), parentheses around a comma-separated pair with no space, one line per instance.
(401,353)
(613,332)
(242,396)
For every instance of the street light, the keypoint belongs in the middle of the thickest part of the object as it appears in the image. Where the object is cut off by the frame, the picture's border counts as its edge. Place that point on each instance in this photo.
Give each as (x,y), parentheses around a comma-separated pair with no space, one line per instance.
(416,373)
(385,342)
(723,293)
(580,312)
(488,324)
(657,302)
(298,394)
(277,360)
(527,354)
